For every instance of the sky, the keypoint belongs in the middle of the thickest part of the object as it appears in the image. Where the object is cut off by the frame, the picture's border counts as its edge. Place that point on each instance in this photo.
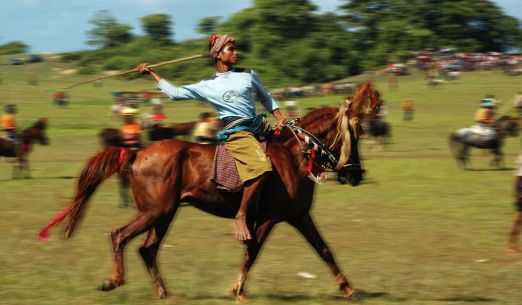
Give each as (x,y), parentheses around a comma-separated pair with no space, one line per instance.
(61,25)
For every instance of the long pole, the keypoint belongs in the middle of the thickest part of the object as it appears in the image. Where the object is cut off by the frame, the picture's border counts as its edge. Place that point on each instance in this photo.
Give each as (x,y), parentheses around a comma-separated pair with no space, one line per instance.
(135,70)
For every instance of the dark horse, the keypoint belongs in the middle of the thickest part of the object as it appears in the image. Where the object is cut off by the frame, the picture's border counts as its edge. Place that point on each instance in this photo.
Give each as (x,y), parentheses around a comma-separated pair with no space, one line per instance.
(460,143)
(167,173)
(158,133)
(380,131)
(34,134)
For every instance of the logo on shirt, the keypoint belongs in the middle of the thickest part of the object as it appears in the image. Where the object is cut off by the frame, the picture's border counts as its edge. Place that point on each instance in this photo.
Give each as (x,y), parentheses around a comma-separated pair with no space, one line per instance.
(230,96)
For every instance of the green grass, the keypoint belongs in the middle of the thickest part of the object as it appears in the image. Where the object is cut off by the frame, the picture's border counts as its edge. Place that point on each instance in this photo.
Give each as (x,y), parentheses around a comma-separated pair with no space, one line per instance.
(418,231)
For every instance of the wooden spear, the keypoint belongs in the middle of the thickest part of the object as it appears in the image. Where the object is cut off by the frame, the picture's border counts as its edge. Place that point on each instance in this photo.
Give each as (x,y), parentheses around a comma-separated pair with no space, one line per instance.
(135,70)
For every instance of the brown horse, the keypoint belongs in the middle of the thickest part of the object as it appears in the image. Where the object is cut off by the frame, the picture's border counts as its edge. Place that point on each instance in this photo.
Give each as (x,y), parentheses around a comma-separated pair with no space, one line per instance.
(21,149)
(170,172)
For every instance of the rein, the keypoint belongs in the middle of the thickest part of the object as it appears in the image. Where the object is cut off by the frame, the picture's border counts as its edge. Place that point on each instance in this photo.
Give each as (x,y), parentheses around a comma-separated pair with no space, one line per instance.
(326,160)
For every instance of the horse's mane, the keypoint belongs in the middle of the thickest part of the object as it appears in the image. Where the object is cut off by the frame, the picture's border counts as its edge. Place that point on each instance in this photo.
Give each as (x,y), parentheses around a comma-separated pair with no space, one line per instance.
(347,117)
(321,114)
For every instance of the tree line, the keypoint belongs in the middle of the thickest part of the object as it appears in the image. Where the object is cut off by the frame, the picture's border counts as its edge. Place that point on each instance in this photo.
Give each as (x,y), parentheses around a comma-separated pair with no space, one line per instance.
(290,42)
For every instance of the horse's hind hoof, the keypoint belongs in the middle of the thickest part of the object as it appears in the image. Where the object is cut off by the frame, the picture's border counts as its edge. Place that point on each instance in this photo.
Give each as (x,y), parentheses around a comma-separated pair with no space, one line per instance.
(351,294)
(110,284)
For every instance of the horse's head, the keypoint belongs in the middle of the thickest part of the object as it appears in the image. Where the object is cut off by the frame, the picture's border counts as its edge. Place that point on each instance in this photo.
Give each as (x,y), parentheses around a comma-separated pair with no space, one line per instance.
(37,133)
(110,137)
(345,137)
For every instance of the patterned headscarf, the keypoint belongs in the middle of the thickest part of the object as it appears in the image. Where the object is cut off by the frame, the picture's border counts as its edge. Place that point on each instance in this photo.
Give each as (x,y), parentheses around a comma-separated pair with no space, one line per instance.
(217,42)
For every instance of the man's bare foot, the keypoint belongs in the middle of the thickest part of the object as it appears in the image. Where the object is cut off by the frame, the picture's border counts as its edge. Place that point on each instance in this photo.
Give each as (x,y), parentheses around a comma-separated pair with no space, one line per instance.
(240,229)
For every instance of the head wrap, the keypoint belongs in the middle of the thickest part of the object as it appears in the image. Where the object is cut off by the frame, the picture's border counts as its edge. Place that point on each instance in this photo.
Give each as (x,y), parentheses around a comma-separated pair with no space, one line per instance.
(217,42)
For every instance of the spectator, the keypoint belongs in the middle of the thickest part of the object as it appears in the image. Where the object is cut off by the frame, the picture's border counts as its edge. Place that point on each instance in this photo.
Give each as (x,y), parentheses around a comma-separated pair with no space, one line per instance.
(407,110)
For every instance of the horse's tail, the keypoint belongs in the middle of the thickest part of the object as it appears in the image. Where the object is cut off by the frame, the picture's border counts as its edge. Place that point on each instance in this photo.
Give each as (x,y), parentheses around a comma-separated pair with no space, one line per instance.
(100,167)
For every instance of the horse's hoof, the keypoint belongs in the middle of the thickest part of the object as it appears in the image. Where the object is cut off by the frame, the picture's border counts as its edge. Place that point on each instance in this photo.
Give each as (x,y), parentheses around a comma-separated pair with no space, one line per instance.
(351,294)
(163,294)
(110,284)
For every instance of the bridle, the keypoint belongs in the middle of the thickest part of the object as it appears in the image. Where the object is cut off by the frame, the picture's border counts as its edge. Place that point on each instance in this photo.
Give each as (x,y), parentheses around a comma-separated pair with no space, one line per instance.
(318,153)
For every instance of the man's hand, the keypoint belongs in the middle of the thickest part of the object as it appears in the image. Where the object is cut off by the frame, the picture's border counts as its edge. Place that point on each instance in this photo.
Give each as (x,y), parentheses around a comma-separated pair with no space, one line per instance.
(143,69)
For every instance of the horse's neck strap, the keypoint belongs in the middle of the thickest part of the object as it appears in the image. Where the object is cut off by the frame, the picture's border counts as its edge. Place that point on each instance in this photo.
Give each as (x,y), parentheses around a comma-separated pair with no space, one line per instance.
(326,158)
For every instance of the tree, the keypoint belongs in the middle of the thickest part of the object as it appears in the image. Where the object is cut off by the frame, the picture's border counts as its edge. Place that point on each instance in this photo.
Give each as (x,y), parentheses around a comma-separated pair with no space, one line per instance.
(13,47)
(387,30)
(158,27)
(108,32)
(207,25)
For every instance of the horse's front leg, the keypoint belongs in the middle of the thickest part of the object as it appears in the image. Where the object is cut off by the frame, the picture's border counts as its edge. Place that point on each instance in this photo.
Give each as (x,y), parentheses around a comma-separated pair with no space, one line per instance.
(17,169)
(253,246)
(306,226)
(26,169)
(498,157)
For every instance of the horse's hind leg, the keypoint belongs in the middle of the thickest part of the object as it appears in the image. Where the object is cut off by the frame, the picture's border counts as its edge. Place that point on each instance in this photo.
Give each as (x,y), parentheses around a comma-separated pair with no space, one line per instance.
(120,237)
(253,246)
(149,251)
(306,226)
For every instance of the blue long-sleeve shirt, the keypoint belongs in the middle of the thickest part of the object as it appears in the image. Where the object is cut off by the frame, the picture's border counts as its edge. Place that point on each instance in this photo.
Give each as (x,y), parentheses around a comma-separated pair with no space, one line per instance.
(231,93)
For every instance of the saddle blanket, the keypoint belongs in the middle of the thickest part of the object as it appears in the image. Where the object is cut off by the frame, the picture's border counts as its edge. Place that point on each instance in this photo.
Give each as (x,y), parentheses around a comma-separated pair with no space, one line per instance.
(224,171)
(477,132)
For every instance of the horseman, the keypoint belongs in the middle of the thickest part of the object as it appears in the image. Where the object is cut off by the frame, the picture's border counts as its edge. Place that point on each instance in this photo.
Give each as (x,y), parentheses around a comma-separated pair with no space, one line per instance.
(484,117)
(205,130)
(231,91)
(8,122)
(158,116)
(131,130)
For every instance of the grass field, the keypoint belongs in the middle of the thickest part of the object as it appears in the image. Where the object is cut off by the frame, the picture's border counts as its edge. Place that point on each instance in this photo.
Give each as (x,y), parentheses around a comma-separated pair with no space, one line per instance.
(418,231)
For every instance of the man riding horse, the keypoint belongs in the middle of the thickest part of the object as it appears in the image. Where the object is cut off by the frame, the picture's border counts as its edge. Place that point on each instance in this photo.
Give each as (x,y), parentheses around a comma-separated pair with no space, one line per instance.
(231,92)
(485,120)
(8,123)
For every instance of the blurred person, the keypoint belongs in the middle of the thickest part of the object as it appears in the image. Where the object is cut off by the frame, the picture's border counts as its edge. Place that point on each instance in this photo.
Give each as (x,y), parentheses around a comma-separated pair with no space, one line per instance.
(485,118)
(291,109)
(130,130)
(407,110)
(8,122)
(205,130)
(514,233)
(158,117)
(60,98)
(231,92)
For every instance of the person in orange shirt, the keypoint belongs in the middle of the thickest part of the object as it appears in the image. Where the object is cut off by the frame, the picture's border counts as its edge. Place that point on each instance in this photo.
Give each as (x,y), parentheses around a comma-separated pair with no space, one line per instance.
(485,118)
(131,130)
(8,122)
(407,108)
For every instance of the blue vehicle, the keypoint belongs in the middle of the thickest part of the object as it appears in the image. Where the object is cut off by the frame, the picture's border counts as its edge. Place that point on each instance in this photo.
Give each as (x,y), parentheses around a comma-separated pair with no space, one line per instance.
(17,61)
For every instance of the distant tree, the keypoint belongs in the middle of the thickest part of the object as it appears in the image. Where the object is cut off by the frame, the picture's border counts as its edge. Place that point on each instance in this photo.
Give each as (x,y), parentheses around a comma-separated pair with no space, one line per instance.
(13,47)
(207,25)
(107,31)
(387,30)
(158,27)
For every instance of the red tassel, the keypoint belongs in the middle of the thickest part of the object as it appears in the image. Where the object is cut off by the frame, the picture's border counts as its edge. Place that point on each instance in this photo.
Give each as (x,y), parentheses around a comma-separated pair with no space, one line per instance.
(310,162)
(120,159)
(43,234)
